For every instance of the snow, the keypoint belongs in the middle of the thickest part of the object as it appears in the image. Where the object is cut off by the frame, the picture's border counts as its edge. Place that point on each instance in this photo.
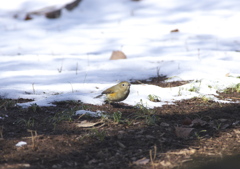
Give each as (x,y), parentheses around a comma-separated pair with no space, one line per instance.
(67,58)
(21,143)
(91,113)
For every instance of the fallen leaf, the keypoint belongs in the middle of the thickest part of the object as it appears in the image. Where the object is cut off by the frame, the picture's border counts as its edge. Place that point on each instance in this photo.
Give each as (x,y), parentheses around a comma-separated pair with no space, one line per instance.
(166,164)
(225,126)
(121,144)
(187,121)
(118,55)
(28,17)
(174,30)
(142,161)
(235,123)
(198,122)
(25,165)
(182,132)
(236,131)
(85,123)
(183,152)
(53,14)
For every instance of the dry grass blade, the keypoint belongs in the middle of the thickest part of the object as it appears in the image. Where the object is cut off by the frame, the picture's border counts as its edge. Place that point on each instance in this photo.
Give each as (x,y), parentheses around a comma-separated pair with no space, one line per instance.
(1,132)
(87,124)
(34,136)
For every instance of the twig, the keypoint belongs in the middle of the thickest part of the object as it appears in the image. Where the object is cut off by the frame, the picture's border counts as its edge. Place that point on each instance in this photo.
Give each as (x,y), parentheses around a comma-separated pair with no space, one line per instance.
(77,68)
(80,116)
(153,156)
(33,136)
(1,132)
(33,88)
(71,86)
(234,98)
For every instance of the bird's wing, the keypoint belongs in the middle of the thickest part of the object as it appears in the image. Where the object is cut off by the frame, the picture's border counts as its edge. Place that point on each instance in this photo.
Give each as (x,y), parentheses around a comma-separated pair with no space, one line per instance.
(108,91)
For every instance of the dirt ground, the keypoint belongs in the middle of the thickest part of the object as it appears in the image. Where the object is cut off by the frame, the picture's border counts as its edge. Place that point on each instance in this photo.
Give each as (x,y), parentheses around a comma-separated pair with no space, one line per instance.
(195,134)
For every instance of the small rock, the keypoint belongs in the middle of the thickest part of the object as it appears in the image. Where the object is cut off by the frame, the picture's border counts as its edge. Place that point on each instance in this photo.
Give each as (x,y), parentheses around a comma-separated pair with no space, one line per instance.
(182,132)
(56,166)
(149,137)
(117,55)
(198,122)
(164,124)
(236,123)
(121,132)
(92,161)
(225,126)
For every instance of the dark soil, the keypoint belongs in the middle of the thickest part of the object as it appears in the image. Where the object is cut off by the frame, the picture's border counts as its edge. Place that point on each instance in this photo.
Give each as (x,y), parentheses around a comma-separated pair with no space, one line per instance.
(193,133)
(160,81)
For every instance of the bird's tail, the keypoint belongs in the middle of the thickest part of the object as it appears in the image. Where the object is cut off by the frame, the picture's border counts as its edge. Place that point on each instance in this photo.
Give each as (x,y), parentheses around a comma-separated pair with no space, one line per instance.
(98,96)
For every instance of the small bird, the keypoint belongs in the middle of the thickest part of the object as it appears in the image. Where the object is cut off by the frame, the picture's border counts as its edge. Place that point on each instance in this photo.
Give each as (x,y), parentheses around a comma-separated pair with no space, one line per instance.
(116,93)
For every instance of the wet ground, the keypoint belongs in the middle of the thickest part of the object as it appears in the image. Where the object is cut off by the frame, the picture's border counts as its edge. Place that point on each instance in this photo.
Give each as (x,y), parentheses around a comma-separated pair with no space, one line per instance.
(194,133)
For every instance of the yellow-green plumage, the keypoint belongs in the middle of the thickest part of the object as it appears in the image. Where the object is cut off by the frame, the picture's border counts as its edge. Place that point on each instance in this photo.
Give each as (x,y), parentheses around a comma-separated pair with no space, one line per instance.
(117,93)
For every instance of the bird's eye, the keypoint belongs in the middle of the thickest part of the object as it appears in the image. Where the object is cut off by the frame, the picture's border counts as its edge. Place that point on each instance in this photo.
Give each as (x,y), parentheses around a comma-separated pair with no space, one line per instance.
(123,84)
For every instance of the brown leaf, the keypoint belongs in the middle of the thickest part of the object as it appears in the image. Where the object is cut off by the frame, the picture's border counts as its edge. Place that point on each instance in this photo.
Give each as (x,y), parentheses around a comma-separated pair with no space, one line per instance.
(166,164)
(118,55)
(24,165)
(183,152)
(174,30)
(182,132)
(187,121)
(53,14)
(28,17)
